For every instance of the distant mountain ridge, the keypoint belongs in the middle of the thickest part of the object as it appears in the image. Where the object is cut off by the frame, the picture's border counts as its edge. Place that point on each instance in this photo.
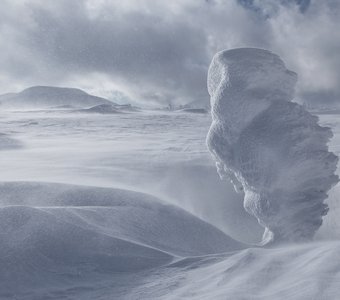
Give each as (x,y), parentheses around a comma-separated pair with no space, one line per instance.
(37,97)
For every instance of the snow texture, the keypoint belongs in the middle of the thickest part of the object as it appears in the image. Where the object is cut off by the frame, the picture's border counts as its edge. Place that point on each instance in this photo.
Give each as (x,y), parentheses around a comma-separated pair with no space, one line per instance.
(81,241)
(58,231)
(269,147)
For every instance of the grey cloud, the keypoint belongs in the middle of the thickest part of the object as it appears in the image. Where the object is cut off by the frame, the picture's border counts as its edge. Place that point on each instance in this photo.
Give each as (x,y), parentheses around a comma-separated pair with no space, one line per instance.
(159,52)
(150,55)
(268,8)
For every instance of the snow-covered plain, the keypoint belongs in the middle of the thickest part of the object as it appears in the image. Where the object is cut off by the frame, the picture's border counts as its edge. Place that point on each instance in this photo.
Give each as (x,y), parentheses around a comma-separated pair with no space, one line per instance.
(129,206)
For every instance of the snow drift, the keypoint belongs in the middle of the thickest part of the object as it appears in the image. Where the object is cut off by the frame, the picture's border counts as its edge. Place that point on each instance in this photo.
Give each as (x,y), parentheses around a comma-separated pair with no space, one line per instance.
(7,142)
(304,271)
(101,109)
(58,231)
(269,147)
(62,241)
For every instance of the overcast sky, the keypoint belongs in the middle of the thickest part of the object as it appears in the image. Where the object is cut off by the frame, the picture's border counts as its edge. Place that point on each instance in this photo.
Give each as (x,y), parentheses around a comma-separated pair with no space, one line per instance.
(157,51)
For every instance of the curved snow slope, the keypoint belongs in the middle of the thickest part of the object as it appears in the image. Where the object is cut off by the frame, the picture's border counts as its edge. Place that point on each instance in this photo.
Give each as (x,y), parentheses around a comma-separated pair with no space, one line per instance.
(56,236)
(102,109)
(62,241)
(307,271)
(38,97)
(40,237)
(86,215)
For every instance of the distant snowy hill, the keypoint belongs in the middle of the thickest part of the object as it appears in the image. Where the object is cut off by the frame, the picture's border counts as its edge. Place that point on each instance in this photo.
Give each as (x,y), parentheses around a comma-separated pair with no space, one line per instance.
(40,97)
(109,109)
(194,110)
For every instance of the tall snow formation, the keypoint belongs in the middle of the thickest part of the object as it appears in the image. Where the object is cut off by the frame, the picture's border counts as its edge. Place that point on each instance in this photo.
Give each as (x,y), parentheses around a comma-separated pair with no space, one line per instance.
(269,147)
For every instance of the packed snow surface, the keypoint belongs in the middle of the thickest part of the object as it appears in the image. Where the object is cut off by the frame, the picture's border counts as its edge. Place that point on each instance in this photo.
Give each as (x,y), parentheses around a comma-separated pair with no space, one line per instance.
(75,242)
(56,230)
(175,238)
(270,148)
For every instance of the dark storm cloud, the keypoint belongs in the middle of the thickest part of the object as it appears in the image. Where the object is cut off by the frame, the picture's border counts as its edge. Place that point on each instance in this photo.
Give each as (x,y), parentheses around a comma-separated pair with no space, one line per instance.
(159,52)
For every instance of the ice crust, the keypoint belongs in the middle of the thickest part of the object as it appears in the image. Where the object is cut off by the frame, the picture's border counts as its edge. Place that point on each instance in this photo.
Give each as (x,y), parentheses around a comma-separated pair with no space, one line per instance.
(270,148)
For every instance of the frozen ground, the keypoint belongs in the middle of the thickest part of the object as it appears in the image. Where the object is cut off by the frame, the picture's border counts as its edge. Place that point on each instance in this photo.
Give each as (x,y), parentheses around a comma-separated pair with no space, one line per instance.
(159,153)
(84,242)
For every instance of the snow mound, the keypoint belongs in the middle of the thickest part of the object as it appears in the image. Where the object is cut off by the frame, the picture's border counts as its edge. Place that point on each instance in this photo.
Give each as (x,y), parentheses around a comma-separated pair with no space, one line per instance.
(122,214)
(40,97)
(67,235)
(41,252)
(128,108)
(102,109)
(110,109)
(28,232)
(270,148)
(305,271)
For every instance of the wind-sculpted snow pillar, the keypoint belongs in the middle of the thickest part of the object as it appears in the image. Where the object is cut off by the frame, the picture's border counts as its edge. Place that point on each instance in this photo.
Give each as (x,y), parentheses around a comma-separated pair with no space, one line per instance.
(269,147)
